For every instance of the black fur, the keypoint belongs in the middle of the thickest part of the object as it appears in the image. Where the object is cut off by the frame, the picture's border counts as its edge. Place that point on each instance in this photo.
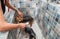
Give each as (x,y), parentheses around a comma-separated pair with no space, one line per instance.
(28,30)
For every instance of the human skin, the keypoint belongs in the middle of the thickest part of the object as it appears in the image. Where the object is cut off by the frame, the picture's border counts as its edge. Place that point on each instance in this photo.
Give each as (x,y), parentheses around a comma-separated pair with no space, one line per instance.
(4,26)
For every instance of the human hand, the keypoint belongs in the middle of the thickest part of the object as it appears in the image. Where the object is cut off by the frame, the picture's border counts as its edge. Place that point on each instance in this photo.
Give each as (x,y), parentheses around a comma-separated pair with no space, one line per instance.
(20,13)
(22,26)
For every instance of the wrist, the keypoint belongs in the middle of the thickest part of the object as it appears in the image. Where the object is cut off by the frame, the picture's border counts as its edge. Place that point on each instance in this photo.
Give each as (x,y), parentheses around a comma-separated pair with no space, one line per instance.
(18,25)
(16,10)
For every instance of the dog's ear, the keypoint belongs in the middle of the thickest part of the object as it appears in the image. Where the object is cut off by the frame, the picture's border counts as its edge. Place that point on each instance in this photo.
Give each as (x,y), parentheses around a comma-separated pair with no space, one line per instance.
(31,22)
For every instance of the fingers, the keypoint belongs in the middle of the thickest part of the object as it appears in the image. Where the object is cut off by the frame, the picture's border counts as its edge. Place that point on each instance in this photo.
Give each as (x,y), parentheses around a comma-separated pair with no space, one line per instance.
(20,14)
(22,26)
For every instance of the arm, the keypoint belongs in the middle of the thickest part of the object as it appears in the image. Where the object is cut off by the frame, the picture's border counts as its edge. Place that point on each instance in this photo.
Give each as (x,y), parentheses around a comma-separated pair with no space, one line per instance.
(4,26)
(12,7)
(8,26)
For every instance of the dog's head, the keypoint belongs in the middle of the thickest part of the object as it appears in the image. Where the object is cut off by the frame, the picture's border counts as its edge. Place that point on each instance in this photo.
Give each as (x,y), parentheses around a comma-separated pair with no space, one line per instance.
(26,18)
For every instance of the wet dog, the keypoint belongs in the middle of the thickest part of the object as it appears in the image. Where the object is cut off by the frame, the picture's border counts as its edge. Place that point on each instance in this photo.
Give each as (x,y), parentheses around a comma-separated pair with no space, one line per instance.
(29,30)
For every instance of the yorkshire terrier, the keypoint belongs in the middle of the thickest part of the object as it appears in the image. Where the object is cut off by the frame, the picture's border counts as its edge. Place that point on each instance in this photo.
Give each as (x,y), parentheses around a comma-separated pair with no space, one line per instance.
(29,30)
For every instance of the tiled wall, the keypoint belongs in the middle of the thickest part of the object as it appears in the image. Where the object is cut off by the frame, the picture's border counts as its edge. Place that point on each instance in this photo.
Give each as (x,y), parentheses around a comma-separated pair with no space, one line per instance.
(51,19)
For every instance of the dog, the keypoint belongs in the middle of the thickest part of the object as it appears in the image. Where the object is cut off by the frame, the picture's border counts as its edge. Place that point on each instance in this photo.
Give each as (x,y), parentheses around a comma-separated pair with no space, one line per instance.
(29,30)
